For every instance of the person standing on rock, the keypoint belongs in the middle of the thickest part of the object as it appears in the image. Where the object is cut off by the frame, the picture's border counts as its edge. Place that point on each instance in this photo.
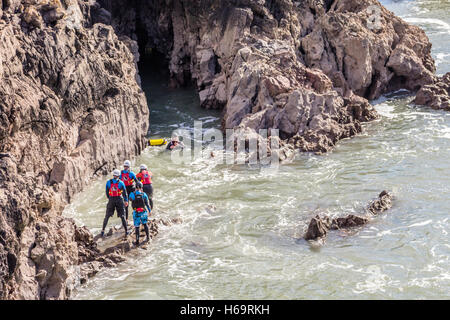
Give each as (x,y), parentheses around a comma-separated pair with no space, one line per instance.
(145,177)
(140,204)
(128,177)
(117,195)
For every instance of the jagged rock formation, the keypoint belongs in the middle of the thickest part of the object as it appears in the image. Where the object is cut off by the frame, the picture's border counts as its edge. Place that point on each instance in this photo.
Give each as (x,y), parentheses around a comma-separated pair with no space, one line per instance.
(436,95)
(70,108)
(319,226)
(303,67)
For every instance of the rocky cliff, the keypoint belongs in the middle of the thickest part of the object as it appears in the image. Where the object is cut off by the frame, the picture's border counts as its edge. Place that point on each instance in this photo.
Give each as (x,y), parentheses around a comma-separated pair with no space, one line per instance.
(305,67)
(71,105)
(71,108)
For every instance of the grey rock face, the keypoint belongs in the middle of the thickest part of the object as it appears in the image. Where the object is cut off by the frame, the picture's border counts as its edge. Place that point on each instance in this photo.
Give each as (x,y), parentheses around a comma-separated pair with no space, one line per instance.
(70,107)
(306,68)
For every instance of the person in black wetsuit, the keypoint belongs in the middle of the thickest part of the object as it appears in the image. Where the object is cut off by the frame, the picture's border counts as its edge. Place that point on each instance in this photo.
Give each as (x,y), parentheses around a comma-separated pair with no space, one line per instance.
(117,200)
(174,143)
(140,205)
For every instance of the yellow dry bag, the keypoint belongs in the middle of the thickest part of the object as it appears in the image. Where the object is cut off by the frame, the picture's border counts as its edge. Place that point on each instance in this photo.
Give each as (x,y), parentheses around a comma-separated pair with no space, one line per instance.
(158,142)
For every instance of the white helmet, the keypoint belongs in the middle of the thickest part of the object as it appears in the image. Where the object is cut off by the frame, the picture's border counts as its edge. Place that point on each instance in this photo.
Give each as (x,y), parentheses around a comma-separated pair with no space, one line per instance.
(116,173)
(143,167)
(127,163)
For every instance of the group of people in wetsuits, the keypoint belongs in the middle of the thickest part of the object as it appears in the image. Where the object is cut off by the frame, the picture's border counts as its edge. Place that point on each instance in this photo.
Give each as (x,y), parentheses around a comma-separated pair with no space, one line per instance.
(126,187)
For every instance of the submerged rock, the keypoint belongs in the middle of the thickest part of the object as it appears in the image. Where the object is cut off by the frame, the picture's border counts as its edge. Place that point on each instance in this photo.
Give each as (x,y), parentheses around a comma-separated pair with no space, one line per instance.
(319,226)
(348,222)
(383,203)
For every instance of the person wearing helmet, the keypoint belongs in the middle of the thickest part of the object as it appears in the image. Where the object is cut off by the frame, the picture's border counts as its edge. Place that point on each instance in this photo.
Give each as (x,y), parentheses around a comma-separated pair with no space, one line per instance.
(128,177)
(174,143)
(145,177)
(141,210)
(117,195)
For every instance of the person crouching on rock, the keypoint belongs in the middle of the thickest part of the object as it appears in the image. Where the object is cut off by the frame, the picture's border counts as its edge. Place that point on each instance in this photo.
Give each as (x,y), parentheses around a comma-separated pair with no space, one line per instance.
(117,200)
(140,205)
(128,177)
(145,177)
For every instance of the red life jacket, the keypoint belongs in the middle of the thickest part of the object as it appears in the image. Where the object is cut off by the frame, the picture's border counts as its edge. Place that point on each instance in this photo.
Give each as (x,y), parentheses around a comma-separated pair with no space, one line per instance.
(114,190)
(144,177)
(125,177)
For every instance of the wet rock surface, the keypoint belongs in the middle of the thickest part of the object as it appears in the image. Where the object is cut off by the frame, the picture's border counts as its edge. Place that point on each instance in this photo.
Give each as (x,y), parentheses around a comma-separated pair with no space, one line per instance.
(436,95)
(383,203)
(319,226)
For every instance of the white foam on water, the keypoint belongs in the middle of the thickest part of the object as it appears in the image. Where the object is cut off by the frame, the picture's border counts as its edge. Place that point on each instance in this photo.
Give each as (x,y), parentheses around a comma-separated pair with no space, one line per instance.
(441,25)
(445,133)
(386,110)
(420,224)
(441,58)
